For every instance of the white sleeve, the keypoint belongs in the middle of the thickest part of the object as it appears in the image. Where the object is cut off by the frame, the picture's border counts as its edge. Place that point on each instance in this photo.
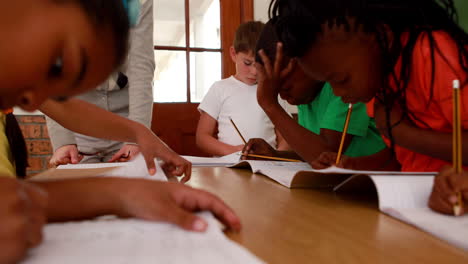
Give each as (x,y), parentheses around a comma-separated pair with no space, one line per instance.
(286,106)
(212,102)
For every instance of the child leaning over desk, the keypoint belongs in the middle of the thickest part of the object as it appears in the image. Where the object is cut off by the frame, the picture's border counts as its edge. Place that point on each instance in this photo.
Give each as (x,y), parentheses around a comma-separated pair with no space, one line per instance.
(235,98)
(400,57)
(62,63)
(321,113)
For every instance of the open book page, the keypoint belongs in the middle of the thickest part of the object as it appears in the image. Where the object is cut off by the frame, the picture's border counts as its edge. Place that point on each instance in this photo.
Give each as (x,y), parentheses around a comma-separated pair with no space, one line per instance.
(223,161)
(301,174)
(406,197)
(453,230)
(134,241)
(133,169)
(403,191)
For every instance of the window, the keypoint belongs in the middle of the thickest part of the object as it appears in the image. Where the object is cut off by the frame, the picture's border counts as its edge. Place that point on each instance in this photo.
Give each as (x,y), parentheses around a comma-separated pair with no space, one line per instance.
(187,43)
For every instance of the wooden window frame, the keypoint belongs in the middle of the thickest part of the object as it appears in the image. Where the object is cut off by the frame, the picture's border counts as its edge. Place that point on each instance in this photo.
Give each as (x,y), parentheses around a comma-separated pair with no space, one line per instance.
(243,11)
(176,122)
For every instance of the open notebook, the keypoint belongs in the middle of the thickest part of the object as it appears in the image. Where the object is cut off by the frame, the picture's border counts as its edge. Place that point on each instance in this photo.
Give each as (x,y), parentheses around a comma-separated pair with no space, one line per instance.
(137,242)
(405,197)
(112,240)
(290,174)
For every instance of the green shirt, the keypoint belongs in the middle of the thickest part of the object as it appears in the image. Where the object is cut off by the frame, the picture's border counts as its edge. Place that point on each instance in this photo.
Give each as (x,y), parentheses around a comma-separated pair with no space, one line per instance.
(327,111)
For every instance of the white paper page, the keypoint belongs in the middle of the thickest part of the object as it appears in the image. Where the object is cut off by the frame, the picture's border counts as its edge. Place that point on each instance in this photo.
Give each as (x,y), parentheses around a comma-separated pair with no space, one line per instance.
(133,169)
(119,241)
(406,198)
(280,171)
(453,230)
(284,172)
(336,170)
(403,191)
(223,161)
(260,165)
(304,166)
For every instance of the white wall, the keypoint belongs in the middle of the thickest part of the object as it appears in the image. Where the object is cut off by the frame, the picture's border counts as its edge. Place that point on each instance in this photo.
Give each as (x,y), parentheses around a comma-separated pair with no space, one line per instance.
(261,10)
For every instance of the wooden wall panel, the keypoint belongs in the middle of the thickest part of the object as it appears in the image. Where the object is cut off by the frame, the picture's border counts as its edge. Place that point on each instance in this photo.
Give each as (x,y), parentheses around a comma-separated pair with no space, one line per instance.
(176,124)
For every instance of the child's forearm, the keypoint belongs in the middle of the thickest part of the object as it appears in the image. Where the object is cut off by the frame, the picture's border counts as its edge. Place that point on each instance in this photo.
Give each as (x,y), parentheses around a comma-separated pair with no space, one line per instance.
(305,143)
(85,198)
(427,142)
(85,118)
(383,160)
(213,146)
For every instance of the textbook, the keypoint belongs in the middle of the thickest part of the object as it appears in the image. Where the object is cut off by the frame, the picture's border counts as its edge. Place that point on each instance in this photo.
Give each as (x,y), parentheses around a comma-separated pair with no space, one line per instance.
(405,197)
(113,240)
(290,174)
(302,175)
(223,161)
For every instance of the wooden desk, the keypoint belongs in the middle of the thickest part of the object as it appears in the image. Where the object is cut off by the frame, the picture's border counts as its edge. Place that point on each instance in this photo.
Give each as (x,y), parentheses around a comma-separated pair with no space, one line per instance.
(304,226)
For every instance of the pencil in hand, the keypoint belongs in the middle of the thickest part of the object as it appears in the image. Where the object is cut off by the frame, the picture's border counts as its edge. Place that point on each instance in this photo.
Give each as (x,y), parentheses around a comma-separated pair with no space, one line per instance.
(345,130)
(457,143)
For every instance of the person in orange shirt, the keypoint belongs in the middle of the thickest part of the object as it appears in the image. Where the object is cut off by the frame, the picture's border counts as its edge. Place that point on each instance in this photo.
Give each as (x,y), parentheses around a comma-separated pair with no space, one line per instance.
(400,57)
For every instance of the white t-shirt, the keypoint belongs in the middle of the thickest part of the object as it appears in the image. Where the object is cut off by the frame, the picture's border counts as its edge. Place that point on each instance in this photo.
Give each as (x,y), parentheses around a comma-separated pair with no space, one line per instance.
(231,98)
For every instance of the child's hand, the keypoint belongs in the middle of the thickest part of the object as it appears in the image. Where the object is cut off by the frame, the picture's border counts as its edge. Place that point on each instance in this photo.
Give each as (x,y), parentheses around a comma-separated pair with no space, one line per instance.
(175,165)
(126,153)
(22,214)
(152,147)
(328,159)
(258,146)
(270,77)
(65,155)
(446,185)
(174,203)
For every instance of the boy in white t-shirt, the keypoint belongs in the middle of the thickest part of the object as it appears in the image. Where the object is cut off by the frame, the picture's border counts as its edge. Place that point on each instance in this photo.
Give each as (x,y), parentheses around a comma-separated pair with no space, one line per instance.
(236,98)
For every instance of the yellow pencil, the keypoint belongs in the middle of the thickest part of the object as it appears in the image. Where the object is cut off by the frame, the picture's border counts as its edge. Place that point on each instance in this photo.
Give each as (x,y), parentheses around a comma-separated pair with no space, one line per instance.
(345,130)
(457,142)
(238,132)
(269,157)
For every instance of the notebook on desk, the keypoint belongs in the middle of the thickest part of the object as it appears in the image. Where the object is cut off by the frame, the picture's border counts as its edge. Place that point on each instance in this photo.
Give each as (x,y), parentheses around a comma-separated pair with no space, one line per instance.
(405,197)
(135,241)
(302,175)
(289,174)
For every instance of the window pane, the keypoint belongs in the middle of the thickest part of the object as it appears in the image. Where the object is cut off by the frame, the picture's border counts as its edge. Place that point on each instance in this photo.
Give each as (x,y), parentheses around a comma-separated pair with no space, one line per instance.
(205,69)
(169,22)
(205,24)
(170,77)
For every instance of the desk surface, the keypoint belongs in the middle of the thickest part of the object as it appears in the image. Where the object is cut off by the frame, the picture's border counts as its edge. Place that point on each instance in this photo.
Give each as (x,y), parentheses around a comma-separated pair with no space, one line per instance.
(281,225)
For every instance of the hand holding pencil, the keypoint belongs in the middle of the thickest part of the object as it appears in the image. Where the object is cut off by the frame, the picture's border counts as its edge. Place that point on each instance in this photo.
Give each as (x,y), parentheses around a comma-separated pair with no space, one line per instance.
(258,146)
(450,191)
(447,185)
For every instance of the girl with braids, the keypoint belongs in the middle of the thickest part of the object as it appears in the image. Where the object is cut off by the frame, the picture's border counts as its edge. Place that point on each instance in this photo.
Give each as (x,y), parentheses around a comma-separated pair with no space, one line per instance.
(399,56)
(67,36)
